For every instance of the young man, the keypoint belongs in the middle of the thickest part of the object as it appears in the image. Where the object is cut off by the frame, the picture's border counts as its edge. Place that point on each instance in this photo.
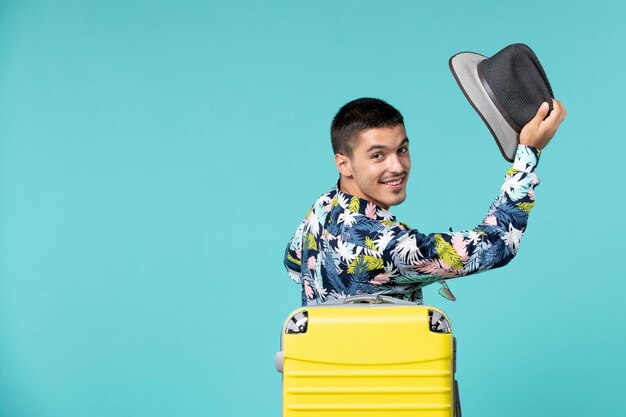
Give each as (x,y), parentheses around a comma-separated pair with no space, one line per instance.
(349,243)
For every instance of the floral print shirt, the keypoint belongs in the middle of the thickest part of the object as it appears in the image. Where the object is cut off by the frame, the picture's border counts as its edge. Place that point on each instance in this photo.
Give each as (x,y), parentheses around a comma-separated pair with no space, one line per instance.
(347,245)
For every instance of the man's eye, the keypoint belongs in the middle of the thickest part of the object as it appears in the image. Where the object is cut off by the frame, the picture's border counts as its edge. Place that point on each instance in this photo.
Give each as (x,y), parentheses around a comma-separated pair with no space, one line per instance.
(377,156)
(404,149)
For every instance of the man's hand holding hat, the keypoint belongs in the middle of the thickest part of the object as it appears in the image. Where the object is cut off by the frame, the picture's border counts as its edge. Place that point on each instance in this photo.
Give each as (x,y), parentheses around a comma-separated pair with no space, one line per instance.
(538,132)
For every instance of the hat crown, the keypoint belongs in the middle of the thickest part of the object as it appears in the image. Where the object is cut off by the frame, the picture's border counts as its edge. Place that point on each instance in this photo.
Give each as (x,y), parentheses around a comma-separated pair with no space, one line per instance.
(517,79)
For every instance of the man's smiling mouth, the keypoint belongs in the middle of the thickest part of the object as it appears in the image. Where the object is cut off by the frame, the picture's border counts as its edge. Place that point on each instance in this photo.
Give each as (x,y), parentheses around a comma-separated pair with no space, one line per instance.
(394,182)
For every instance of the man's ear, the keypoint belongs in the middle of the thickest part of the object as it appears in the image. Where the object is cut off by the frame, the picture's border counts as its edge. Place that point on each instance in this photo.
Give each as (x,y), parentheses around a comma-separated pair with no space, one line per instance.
(343,165)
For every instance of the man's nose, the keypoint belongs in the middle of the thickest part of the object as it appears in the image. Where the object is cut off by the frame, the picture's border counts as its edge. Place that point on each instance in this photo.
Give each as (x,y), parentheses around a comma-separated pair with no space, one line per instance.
(395,165)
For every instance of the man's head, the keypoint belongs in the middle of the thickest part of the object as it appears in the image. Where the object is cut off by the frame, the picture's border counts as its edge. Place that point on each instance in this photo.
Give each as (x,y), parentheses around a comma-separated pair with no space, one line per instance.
(371,151)
(359,115)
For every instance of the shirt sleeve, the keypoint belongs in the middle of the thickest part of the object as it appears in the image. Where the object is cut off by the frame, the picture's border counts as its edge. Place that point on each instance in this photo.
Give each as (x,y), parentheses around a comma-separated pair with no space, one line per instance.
(293,254)
(419,257)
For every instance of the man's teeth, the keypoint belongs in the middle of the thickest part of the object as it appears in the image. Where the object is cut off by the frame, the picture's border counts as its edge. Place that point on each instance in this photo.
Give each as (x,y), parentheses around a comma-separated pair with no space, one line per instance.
(397,182)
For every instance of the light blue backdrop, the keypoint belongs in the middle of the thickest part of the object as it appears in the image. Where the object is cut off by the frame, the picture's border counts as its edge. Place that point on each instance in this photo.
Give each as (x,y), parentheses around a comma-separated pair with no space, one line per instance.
(156,157)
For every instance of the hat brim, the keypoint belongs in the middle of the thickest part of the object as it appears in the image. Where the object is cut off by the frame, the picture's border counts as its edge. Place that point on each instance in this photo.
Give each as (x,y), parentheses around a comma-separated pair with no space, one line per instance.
(464,68)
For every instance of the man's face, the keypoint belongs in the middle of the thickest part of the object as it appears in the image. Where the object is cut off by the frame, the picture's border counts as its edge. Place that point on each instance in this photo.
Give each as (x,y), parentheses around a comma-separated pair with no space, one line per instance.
(378,169)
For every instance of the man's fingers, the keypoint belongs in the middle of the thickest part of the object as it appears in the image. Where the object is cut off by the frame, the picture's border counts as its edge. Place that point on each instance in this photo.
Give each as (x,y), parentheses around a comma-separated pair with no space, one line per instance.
(557,115)
(541,113)
(562,112)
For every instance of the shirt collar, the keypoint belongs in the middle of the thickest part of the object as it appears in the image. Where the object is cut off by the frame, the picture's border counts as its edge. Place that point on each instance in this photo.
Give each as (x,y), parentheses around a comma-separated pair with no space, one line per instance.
(359,205)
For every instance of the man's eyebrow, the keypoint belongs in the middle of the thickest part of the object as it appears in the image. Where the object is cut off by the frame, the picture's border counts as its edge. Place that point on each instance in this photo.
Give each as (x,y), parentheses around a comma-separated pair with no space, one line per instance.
(375,147)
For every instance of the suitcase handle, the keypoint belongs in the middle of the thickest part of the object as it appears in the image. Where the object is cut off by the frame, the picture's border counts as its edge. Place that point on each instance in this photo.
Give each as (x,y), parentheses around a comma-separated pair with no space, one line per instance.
(374,299)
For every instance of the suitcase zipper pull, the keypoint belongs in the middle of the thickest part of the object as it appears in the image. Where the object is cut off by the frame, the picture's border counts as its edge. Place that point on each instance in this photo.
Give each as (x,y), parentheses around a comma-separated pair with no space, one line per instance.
(445,292)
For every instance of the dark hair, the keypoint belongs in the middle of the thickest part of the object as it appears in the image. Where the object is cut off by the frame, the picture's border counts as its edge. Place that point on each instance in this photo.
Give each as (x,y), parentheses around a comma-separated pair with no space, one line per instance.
(359,115)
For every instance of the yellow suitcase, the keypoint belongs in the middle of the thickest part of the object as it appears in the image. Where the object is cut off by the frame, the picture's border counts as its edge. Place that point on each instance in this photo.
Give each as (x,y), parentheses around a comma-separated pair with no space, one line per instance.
(368,356)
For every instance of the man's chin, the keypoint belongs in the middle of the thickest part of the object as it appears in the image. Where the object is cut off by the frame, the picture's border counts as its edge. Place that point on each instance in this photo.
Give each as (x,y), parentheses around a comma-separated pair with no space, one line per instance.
(395,200)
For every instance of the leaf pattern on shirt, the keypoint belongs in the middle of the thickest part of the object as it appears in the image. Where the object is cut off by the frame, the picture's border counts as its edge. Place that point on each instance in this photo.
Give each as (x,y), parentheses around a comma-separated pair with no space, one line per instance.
(447,253)
(459,245)
(311,242)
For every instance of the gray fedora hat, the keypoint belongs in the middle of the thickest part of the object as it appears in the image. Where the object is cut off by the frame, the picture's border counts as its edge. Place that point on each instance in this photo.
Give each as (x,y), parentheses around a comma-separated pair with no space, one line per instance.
(506,90)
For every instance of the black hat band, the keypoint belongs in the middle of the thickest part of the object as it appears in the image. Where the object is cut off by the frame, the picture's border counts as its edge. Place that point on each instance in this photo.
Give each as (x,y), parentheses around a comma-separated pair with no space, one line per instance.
(496,101)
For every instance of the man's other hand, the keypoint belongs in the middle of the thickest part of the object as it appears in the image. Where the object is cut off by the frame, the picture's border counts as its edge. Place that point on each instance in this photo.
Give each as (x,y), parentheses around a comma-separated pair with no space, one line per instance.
(538,132)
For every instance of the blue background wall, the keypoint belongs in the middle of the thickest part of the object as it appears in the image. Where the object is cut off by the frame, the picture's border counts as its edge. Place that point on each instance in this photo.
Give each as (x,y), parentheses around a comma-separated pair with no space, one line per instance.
(156,157)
